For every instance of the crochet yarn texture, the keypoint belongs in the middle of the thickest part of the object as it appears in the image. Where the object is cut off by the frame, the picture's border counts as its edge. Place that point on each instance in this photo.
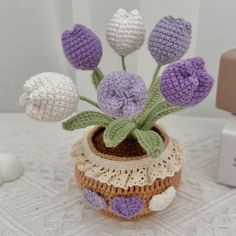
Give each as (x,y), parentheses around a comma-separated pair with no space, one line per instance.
(126,206)
(186,82)
(125,172)
(117,179)
(82,48)
(161,201)
(49,96)
(122,95)
(125,32)
(169,40)
(94,199)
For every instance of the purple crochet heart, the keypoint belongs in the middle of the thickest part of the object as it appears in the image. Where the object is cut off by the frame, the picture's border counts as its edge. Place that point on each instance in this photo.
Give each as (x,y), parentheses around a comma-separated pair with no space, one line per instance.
(186,82)
(126,206)
(82,48)
(94,199)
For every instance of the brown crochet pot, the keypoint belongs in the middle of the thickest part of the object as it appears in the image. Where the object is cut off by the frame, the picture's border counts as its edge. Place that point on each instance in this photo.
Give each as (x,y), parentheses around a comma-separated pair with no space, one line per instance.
(108,191)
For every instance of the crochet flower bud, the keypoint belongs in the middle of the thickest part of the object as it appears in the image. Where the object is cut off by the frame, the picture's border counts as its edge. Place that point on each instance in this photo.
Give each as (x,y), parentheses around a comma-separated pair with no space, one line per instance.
(186,82)
(125,32)
(122,95)
(49,96)
(169,40)
(82,48)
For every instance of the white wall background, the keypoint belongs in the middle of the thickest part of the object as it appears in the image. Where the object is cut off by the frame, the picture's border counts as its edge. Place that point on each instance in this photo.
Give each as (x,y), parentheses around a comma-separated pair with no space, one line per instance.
(30,40)
(30,43)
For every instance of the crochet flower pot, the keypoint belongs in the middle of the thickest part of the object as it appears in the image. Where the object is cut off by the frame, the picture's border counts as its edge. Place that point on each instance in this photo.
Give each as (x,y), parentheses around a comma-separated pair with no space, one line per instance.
(126,166)
(127,187)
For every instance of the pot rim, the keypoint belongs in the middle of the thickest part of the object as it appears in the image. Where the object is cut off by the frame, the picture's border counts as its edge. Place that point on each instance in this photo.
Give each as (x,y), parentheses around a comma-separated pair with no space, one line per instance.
(93,149)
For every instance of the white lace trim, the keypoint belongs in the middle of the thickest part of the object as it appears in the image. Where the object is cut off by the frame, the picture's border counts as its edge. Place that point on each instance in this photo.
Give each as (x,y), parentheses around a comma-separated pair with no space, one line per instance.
(126,174)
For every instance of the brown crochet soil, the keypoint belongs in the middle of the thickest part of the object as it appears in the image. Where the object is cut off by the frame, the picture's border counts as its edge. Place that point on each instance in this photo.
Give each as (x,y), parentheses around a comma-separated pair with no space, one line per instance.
(128,148)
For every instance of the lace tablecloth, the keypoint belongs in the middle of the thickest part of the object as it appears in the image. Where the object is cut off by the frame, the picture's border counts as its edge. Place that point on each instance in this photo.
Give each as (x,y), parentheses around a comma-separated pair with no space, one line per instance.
(45,201)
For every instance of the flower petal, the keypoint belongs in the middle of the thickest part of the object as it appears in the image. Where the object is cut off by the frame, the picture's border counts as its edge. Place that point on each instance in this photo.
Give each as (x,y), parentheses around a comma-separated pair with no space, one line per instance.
(125,32)
(82,47)
(122,95)
(49,96)
(169,40)
(186,83)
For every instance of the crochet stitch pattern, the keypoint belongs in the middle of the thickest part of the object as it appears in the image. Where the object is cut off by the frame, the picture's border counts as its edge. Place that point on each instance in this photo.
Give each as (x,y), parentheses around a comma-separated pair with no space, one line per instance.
(108,192)
(161,201)
(94,199)
(125,172)
(49,96)
(82,48)
(169,40)
(126,206)
(186,82)
(122,95)
(126,166)
(125,32)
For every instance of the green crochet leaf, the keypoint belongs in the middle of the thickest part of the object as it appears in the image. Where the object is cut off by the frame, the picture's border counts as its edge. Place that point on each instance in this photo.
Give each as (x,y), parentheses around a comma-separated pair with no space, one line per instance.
(150,140)
(117,131)
(154,97)
(85,119)
(97,76)
(162,109)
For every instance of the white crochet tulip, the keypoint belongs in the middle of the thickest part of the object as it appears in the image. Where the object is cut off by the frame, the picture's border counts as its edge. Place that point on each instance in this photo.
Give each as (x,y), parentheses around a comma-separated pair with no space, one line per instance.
(125,32)
(49,96)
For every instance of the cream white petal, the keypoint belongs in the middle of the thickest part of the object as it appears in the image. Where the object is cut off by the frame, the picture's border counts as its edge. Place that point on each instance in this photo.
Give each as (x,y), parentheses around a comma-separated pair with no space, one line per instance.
(49,96)
(125,32)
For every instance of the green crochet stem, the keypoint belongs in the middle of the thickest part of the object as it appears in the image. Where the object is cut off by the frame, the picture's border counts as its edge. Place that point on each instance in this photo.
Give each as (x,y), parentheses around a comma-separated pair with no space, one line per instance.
(153,85)
(154,97)
(154,78)
(90,101)
(123,63)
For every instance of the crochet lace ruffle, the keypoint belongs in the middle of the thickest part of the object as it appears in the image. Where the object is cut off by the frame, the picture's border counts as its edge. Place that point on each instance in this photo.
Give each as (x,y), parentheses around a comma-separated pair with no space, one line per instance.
(131,173)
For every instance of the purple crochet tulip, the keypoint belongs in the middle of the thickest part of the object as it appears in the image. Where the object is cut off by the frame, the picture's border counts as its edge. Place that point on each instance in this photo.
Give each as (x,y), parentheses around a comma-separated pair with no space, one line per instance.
(82,48)
(126,207)
(186,82)
(169,40)
(122,95)
(94,199)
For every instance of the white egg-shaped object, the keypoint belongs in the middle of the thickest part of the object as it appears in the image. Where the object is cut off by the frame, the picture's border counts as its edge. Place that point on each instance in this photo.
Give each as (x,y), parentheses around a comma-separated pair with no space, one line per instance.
(10,167)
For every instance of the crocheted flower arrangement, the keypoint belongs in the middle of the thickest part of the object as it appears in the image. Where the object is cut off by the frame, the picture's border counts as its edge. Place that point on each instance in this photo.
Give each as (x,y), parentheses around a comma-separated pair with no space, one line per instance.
(127,109)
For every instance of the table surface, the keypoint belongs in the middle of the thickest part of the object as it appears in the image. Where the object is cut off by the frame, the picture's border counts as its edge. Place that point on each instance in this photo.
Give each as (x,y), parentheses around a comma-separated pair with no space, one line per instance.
(45,200)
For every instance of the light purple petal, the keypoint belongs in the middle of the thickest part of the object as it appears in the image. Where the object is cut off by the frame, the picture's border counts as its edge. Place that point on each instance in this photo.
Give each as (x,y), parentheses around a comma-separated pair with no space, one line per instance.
(169,40)
(82,47)
(186,83)
(122,95)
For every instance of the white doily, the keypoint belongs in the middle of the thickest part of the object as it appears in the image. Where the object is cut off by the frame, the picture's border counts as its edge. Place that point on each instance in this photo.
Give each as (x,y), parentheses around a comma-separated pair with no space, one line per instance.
(126,174)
